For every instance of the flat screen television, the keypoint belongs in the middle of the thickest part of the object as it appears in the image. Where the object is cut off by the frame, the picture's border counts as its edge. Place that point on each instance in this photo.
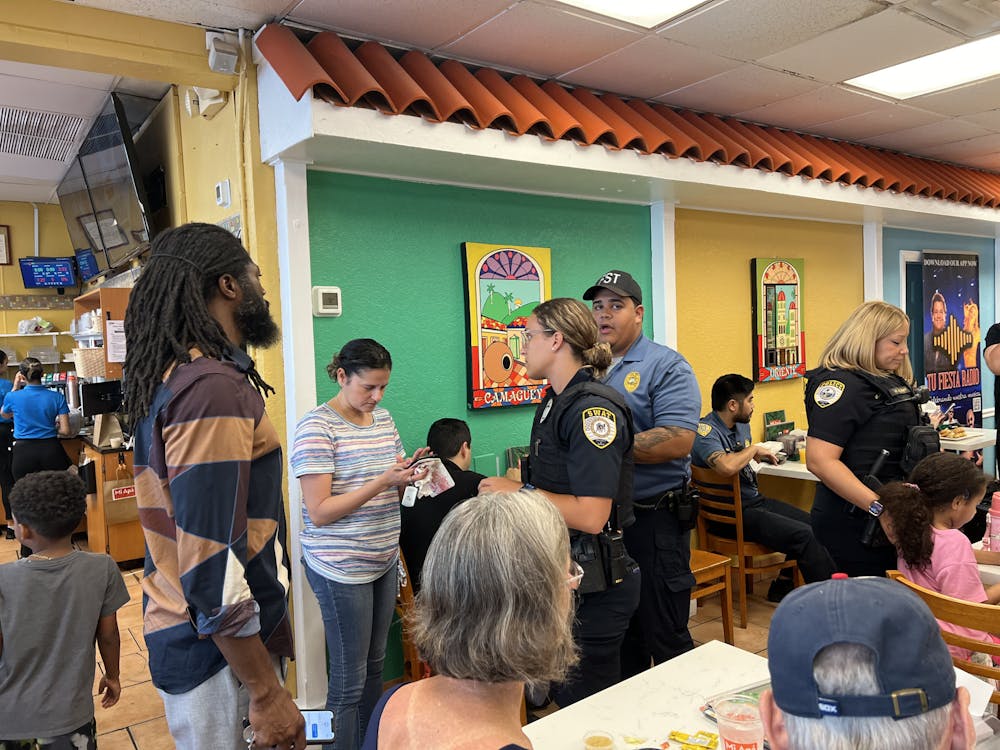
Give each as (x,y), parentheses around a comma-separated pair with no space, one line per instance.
(87,263)
(102,196)
(40,272)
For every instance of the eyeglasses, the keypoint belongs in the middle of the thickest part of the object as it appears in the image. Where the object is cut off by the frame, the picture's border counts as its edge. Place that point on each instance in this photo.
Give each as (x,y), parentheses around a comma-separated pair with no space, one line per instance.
(575,575)
(529,335)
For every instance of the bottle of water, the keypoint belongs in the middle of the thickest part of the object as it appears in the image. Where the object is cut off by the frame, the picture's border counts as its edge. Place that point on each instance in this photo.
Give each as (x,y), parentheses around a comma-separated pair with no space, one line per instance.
(994,523)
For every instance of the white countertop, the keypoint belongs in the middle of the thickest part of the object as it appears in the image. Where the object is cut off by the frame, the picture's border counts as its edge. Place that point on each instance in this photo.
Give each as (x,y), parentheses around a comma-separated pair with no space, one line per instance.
(975,438)
(790,469)
(653,704)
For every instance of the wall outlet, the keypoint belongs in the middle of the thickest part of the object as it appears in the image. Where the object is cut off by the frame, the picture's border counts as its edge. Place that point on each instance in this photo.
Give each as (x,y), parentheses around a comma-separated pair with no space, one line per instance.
(222,194)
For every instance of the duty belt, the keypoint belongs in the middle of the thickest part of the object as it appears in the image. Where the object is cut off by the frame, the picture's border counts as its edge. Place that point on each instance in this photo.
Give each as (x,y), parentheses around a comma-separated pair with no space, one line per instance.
(663,500)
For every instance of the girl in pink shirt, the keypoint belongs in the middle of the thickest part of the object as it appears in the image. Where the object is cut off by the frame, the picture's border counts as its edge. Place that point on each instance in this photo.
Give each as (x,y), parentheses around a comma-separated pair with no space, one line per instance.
(926,514)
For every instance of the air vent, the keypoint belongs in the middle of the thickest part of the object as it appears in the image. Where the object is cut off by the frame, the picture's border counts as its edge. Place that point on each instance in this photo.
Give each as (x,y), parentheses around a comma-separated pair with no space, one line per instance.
(39,135)
(973,18)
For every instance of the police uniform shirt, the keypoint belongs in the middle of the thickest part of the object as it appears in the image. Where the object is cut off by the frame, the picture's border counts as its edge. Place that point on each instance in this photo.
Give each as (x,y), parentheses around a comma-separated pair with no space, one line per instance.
(35,408)
(714,436)
(843,403)
(993,337)
(595,433)
(661,390)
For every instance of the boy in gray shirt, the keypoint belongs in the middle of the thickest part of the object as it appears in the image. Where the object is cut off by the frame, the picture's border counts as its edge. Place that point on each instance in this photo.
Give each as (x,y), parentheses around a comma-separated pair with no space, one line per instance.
(54,605)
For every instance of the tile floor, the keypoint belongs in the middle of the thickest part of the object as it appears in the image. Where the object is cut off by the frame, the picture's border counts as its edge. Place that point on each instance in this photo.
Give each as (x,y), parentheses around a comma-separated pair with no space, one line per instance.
(137,722)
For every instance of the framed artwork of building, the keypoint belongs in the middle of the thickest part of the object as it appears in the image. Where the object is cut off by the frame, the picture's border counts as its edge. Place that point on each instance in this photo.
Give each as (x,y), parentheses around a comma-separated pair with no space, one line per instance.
(503,284)
(779,339)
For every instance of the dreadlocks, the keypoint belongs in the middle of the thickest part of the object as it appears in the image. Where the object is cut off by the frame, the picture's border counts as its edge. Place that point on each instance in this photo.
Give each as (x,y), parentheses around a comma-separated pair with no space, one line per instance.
(168,312)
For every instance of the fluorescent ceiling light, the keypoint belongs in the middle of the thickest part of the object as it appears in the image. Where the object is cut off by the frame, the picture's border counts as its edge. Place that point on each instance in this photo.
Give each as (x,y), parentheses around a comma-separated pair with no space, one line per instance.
(973,61)
(647,13)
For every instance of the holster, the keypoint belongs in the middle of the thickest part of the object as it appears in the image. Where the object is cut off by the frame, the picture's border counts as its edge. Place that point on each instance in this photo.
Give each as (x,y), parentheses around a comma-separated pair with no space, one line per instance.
(586,550)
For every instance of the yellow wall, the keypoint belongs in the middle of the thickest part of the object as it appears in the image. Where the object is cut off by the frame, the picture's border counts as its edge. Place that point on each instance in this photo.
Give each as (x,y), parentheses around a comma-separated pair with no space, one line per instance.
(53,240)
(714,321)
(228,147)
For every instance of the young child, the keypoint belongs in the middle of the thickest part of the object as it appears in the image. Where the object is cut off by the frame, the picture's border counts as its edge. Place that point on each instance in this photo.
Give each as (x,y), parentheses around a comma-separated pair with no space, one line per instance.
(926,513)
(53,605)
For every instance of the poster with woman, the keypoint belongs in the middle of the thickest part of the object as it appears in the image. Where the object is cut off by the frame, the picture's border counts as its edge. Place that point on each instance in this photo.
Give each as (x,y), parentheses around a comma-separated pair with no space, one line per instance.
(503,284)
(951,333)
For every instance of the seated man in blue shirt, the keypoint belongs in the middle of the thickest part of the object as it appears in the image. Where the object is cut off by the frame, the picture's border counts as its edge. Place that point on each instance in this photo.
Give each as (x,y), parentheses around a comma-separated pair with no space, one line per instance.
(723,445)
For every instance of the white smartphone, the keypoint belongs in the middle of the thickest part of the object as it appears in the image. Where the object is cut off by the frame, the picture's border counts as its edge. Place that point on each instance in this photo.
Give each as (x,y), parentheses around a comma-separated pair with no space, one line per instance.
(319,726)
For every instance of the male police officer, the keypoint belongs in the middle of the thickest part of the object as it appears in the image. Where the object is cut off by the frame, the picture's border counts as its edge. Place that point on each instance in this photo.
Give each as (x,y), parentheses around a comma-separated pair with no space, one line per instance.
(660,389)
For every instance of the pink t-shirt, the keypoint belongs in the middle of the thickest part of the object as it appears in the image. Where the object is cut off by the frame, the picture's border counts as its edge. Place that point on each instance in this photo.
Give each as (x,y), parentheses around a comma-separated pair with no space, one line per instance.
(952,572)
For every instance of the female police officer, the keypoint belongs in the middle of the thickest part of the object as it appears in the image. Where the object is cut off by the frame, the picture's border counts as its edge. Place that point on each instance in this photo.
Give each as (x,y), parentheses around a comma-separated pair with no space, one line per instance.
(581,458)
(859,402)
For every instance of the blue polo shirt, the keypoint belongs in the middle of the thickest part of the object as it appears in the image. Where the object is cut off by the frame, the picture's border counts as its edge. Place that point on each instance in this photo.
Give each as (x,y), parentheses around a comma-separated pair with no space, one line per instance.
(5,387)
(661,390)
(714,436)
(35,408)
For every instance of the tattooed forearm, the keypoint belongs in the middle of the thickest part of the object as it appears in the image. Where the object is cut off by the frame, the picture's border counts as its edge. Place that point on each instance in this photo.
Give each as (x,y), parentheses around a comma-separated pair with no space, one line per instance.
(713,460)
(663,444)
(651,438)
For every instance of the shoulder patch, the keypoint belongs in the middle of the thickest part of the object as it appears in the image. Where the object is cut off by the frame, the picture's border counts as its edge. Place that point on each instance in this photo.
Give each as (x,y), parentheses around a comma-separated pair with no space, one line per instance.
(600,426)
(828,393)
(632,381)
(704,429)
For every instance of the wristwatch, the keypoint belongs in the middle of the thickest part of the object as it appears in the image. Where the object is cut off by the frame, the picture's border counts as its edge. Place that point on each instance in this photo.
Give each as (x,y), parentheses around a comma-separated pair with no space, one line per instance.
(875,509)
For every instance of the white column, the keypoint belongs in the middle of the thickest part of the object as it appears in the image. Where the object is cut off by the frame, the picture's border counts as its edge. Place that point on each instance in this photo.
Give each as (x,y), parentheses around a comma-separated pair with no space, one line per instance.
(298,351)
(663,295)
(872,239)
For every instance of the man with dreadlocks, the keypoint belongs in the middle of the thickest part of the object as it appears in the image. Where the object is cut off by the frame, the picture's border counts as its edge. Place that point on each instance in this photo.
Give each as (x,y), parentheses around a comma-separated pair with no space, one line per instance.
(208,481)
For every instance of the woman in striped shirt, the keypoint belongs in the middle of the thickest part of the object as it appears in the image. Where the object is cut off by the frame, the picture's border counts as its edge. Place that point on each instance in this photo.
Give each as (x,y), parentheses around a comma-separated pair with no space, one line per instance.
(350,462)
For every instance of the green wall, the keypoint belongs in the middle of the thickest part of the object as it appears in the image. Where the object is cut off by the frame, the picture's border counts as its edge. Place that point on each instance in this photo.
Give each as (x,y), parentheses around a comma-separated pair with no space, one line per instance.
(394,248)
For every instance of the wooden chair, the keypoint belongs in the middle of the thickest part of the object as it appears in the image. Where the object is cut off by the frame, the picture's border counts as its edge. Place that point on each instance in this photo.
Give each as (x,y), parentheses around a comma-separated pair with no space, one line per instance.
(711,576)
(721,504)
(985,617)
(413,667)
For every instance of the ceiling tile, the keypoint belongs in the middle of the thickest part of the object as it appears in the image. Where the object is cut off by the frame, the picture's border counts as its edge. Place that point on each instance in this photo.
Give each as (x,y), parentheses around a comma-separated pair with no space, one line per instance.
(967,100)
(425,24)
(822,105)
(97,81)
(750,29)
(51,97)
(986,161)
(870,44)
(649,67)
(869,125)
(945,131)
(989,120)
(223,14)
(746,87)
(540,39)
(983,146)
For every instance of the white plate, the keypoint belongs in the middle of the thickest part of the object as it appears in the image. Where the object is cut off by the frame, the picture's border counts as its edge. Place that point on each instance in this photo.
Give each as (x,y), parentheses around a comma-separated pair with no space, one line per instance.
(970,432)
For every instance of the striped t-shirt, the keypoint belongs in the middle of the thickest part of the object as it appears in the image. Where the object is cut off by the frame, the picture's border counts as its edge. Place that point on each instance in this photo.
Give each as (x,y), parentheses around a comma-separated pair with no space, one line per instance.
(364,544)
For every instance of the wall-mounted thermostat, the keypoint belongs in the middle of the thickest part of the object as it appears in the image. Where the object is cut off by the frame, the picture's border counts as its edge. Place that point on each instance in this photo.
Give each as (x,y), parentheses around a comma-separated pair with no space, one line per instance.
(327,301)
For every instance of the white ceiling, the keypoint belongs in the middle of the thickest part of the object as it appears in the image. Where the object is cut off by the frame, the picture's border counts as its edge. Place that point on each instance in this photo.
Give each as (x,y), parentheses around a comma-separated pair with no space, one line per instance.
(779,62)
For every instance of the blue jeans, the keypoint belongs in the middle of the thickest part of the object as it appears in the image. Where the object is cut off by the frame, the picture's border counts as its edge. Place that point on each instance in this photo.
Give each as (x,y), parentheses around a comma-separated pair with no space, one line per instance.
(356,618)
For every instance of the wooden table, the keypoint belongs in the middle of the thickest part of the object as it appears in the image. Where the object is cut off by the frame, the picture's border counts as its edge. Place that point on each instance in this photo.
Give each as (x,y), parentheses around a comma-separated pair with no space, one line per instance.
(654,703)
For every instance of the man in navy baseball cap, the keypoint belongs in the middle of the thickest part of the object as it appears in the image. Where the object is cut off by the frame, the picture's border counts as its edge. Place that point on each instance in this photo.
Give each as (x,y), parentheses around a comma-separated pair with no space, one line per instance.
(860,663)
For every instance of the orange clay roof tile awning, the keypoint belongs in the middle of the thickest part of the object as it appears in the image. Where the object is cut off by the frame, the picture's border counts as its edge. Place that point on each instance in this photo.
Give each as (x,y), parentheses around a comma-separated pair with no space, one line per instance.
(413,84)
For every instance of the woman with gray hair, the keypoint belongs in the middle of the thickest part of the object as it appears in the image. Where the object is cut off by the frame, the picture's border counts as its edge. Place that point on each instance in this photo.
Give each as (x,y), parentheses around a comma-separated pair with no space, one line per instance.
(494,614)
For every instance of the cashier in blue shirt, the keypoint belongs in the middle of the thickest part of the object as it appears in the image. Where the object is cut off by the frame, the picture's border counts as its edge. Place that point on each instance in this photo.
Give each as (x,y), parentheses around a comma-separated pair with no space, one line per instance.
(6,443)
(40,416)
